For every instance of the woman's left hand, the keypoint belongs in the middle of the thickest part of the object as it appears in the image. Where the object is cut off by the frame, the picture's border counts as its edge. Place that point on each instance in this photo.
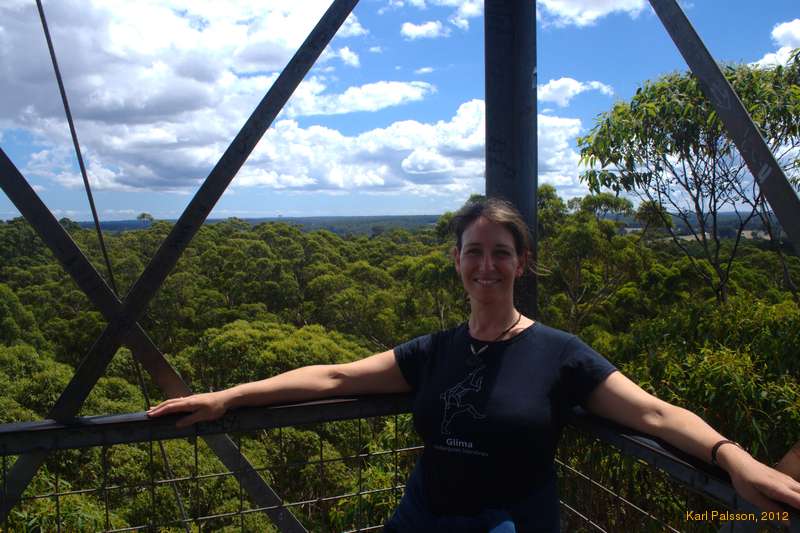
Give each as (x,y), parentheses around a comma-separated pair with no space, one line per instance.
(619,399)
(764,487)
(790,464)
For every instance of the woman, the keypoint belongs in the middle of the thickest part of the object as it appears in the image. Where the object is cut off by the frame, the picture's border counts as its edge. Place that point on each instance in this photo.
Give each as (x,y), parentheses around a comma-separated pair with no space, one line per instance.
(490,398)
(790,463)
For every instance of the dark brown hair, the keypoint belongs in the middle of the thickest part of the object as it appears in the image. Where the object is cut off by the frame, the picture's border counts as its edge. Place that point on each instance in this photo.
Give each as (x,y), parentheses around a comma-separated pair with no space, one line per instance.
(499,212)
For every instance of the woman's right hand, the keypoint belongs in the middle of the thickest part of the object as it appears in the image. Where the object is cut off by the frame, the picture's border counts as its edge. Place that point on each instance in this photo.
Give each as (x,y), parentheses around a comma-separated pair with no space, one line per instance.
(203,407)
(377,374)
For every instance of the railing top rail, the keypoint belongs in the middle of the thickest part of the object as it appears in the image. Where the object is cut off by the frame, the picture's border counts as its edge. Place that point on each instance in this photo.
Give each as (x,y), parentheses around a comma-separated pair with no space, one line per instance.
(25,437)
(106,430)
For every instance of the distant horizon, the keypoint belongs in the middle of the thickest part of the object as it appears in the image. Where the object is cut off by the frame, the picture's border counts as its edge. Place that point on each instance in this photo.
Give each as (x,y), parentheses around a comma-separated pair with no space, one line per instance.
(289,217)
(391,118)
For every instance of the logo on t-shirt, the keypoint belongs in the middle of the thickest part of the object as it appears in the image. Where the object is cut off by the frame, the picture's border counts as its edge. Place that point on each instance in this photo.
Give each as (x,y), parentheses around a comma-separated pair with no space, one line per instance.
(459,443)
(455,398)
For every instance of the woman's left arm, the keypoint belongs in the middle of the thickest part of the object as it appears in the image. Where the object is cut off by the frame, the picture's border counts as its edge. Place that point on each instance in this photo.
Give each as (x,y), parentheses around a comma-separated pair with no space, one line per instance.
(790,463)
(621,400)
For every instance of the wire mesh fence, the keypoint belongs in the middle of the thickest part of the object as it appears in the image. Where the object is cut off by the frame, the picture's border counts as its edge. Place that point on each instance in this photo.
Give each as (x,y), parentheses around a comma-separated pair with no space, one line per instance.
(338,476)
(603,489)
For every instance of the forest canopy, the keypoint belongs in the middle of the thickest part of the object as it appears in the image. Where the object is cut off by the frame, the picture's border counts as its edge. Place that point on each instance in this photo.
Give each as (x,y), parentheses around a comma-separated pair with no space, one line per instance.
(700,315)
(246,302)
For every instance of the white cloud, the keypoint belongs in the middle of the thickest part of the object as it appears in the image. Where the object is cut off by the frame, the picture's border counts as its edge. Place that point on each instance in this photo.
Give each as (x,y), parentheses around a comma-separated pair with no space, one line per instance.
(160,87)
(460,23)
(70,214)
(375,49)
(773,59)
(427,30)
(424,70)
(150,60)
(562,90)
(352,27)
(787,33)
(585,12)
(122,213)
(558,159)
(442,159)
(464,9)
(390,6)
(310,98)
(787,36)
(349,57)
(424,160)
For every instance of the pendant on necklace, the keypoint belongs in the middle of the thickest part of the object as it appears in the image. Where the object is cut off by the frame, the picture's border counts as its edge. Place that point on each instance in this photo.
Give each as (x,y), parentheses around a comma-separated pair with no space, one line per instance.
(474,359)
(479,351)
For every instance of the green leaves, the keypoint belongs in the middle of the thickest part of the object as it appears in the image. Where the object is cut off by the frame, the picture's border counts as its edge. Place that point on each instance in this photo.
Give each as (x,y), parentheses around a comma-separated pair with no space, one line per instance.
(246,303)
(668,147)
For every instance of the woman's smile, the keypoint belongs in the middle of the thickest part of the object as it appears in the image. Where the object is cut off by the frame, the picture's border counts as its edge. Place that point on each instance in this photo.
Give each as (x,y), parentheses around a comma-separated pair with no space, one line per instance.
(488,259)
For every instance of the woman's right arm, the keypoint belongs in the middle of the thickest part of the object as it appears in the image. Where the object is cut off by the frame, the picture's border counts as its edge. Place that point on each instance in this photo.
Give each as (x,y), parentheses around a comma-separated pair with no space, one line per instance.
(373,375)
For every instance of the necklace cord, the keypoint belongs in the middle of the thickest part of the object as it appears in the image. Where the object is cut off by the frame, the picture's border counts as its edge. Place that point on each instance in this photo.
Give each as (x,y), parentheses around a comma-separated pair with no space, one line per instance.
(509,328)
(476,352)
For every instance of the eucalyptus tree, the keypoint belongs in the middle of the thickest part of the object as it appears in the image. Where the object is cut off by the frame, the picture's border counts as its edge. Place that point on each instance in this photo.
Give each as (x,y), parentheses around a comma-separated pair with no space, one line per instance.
(145,218)
(667,146)
(551,211)
(582,267)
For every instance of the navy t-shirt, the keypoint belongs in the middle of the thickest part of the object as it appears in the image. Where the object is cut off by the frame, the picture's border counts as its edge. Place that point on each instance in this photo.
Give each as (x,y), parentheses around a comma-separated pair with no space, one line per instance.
(491,422)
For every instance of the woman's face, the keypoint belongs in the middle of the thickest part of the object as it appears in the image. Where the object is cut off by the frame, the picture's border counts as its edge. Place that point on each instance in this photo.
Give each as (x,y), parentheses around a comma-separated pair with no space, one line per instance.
(488,262)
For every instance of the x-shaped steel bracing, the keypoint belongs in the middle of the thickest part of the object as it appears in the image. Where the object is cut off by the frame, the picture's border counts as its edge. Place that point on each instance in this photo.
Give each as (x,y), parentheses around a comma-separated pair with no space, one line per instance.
(123,316)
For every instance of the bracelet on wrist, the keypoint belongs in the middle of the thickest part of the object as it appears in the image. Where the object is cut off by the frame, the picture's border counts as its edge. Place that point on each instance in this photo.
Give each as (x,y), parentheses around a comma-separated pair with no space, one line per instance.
(716,447)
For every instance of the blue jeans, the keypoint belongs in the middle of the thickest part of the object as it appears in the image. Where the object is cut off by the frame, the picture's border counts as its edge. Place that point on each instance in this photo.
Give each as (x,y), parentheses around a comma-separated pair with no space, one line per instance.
(537,513)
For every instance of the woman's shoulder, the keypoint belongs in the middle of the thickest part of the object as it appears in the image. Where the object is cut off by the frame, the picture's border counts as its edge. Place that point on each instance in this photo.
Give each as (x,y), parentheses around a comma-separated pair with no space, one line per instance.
(560,344)
(430,341)
(544,333)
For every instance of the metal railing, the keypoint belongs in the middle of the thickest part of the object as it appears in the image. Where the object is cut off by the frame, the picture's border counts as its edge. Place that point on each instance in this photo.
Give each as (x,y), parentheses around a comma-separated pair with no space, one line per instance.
(588,503)
(33,441)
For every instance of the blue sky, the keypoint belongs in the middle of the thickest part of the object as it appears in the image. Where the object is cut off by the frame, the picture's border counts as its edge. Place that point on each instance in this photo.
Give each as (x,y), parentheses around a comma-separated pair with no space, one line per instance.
(389,121)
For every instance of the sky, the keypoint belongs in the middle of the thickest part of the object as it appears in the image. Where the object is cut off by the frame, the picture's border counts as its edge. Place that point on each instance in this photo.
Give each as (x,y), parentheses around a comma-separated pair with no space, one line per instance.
(390,120)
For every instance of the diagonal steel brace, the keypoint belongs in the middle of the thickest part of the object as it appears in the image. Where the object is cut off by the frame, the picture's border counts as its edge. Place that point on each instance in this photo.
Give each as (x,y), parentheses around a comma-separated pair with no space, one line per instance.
(89,280)
(744,133)
(123,317)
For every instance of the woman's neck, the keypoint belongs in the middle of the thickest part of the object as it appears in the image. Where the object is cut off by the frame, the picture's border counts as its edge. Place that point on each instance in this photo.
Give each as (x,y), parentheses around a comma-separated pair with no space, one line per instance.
(487,323)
